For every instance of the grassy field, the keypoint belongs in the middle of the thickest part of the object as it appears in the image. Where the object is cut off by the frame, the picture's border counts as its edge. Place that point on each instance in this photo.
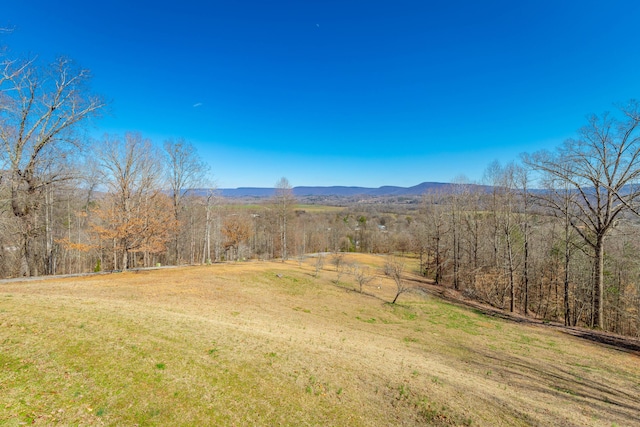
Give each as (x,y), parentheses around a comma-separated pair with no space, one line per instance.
(302,207)
(267,343)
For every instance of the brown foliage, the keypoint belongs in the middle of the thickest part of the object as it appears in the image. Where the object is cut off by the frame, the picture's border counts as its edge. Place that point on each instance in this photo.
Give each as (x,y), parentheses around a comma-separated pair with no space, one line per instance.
(145,228)
(69,245)
(235,230)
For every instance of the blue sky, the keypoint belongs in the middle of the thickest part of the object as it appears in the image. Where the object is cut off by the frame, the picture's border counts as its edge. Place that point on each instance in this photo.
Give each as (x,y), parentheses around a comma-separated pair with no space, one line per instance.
(327,92)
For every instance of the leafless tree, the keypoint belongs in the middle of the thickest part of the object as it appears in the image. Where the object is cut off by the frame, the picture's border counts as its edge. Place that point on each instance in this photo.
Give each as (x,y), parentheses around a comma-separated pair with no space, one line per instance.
(458,194)
(394,268)
(41,109)
(473,231)
(185,172)
(340,264)
(210,201)
(337,260)
(319,264)
(602,167)
(437,223)
(522,181)
(506,250)
(363,276)
(284,202)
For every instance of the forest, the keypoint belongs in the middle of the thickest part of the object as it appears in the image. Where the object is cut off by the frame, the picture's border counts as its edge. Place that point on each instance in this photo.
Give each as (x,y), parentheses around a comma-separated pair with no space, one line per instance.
(552,235)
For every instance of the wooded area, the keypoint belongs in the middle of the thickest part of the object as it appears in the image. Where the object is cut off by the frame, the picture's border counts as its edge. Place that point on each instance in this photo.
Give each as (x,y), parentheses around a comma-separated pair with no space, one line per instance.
(554,236)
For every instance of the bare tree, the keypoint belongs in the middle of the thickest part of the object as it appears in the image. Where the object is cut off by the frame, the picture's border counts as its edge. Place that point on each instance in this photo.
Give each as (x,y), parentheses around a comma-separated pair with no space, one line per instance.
(602,167)
(522,178)
(363,276)
(40,112)
(459,193)
(394,268)
(437,230)
(210,201)
(319,264)
(185,172)
(508,227)
(472,217)
(284,201)
(505,229)
(339,261)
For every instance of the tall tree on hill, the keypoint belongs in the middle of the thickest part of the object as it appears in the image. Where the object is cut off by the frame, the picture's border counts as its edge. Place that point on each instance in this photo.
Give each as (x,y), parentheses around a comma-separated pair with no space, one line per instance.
(502,205)
(209,205)
(522,181)
(284,202)
(602,167)
(41,109)
(509,229)
(459,193)
(185,171)
(472,221)
(437,221)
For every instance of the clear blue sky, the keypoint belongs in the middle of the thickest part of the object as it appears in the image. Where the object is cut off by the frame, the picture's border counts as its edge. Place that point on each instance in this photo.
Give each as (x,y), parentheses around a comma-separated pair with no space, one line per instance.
(344,92)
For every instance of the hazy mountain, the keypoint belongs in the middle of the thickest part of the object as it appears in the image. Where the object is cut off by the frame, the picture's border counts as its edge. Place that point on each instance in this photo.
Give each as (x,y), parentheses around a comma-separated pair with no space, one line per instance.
(339,191)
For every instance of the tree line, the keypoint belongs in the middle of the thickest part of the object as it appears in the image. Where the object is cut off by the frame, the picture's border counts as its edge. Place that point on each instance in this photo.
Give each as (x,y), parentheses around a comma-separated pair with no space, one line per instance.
(553,235)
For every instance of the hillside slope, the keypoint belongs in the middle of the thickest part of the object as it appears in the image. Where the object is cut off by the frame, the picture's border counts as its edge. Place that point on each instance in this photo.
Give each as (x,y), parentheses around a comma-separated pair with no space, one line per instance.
(270,344)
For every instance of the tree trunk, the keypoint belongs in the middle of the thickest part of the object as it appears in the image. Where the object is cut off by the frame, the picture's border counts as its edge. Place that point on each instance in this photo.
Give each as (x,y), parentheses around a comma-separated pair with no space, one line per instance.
(284,237)
(598,286)
(512,295)
(438,262)
(456,248)
(395,298)
(567,258)
(25,269)
(525,271)
(125,257)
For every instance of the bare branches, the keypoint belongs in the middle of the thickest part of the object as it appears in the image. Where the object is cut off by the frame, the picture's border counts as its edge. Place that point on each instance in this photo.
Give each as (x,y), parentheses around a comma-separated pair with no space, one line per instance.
(394,268)
(362,276)
(41,108)
(591,181)
(284,201)
(319,264)
(185,171)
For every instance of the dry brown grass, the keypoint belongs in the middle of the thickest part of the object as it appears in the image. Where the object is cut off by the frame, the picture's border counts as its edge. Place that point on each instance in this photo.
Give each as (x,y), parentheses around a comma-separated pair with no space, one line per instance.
(266,343)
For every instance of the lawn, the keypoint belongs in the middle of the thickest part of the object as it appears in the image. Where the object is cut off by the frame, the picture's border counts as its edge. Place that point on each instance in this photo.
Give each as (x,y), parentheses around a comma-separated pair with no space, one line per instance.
(267,343)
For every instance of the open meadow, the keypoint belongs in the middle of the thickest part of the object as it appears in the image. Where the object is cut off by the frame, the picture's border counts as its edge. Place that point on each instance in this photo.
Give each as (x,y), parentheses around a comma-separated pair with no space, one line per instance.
(268,343)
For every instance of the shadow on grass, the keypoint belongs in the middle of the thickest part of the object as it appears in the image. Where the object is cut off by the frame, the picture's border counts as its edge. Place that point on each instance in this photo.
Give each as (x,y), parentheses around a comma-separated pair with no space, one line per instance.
(619,342)
(557,381)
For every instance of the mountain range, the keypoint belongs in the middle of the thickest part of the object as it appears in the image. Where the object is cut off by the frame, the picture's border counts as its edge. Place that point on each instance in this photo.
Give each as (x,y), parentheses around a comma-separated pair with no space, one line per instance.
(340,191)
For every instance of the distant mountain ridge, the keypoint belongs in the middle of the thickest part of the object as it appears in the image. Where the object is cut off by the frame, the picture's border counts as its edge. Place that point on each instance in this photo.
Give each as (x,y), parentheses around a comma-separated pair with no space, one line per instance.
(340,191)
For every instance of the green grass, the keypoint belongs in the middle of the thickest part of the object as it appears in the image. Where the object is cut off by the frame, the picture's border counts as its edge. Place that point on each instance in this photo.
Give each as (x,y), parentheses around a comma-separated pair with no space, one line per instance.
(114,367)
